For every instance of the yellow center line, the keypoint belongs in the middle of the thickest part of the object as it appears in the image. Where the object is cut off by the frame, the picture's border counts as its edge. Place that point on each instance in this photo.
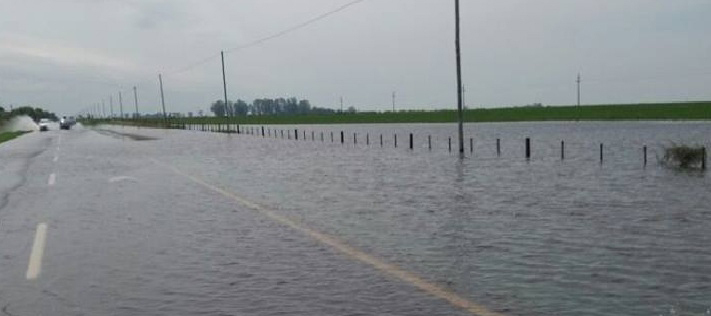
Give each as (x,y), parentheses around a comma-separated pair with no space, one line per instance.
(332,241)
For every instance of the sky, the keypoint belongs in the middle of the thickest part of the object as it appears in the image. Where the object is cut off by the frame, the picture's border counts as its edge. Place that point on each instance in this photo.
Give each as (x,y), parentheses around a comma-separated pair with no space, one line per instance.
(69,55)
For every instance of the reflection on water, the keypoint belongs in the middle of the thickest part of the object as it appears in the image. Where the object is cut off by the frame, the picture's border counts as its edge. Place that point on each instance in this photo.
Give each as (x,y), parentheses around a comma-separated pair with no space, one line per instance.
(545,237)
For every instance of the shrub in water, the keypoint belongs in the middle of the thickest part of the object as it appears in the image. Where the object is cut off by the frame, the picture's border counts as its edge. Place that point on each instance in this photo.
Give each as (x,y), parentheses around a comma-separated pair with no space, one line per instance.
(684,156)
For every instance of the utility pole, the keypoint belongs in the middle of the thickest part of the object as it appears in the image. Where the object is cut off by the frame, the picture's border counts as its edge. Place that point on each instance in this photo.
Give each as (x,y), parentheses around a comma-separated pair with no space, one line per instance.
(578,82)
(464,97)
(135,100)
(162,98)
(121,104)
(224,82)
(393,101)
(460,115)
(111,105)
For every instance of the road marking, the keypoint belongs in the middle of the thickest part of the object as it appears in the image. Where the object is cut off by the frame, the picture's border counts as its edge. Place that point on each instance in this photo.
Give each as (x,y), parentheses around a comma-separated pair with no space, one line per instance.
(332,241)
(35,265)
(52,179)
(55,158)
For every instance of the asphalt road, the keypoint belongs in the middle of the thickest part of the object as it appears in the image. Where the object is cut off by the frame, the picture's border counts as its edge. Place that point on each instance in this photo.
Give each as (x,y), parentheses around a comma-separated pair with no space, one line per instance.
(100,224)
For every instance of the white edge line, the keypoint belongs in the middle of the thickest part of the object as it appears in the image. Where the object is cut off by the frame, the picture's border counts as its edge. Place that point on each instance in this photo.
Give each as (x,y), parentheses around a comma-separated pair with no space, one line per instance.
(332,241)
(34,267)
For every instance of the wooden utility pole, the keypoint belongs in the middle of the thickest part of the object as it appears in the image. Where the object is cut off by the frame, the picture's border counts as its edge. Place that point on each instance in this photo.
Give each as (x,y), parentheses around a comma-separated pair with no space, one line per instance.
(121,105)
(460,113)
(135,100)
(393,101)
(224,83)
(162,98)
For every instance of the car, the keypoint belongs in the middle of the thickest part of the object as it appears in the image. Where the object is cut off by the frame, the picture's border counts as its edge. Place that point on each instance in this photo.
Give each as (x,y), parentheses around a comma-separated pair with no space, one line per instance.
(65,123)
(44,125)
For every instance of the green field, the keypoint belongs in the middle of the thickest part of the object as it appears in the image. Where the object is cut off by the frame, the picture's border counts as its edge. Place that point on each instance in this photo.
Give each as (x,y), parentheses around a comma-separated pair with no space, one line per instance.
(5,136)
(660,111)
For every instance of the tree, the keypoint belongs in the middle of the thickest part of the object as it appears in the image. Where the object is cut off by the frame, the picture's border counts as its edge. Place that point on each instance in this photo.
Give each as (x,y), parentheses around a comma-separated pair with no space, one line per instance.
(304,107)
(241,108)
(2,110)
(35,113)
(218,107)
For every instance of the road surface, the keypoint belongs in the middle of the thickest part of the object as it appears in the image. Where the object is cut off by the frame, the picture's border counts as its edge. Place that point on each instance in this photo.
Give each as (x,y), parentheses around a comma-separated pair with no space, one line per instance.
(103,223)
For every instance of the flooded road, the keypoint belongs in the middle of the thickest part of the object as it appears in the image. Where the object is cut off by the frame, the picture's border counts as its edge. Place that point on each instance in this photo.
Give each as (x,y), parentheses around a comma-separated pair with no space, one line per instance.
(143,221)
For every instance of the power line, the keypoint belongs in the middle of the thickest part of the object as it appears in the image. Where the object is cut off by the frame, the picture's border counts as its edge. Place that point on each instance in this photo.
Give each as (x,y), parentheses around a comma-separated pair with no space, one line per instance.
(295,27)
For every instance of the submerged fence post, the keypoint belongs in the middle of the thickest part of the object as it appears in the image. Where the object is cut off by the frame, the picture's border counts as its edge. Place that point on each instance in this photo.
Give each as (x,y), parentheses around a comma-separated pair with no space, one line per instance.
(304,135)
(498,147)
(429,142)
(395,140)
(600,153)
(411,142)
(450,144)
(313,138)
(332,137)
(528,148)
(471,145)
(343,139)
(296,134)
(381,140)
(322,137)
(644,151)
(355,138)
(562,150)
(703,158)
(263,135)
(367,138)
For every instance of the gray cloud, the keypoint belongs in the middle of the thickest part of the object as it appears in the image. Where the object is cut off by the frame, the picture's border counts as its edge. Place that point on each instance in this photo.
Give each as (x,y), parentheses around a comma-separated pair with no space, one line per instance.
(68,55)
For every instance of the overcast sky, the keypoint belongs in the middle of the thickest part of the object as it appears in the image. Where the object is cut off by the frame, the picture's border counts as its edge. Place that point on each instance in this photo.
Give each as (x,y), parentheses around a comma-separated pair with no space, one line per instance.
(68,55)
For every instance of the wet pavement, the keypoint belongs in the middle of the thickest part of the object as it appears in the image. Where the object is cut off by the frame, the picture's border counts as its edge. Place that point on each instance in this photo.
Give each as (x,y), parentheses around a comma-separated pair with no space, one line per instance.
(167,222)
(127,236)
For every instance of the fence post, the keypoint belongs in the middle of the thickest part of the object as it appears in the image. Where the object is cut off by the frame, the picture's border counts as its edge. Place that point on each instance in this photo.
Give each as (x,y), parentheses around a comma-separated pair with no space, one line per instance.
(355,138)
(322,137)
(332,137)
(600,153)
(395,140)
(450,144)
(471,145)
(562,150)
(313,138)
(367,139)
(429,142)
(411,142)
(498,147)
(263,135)
(644,151)
(381,140)
(703,158)
(343,139)
(296,134)
(528,148)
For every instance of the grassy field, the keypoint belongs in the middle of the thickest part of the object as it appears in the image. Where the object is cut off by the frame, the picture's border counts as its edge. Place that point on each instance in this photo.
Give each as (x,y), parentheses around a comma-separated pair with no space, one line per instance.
(660,111)
(5,136)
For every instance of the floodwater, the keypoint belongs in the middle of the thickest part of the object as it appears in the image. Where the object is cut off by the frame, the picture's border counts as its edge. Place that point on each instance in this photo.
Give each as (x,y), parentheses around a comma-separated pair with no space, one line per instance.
(539,237)
(543,236)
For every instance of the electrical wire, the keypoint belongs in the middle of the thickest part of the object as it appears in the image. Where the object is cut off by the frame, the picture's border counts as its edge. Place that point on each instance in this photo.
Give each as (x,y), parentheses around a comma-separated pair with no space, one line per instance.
(295,27)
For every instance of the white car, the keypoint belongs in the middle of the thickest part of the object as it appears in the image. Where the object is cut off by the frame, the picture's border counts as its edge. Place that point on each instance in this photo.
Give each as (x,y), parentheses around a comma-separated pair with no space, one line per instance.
(44,125)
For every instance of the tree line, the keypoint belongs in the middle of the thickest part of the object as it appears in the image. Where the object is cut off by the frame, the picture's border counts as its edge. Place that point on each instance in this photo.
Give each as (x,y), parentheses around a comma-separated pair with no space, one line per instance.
(266,106)
(35,113)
